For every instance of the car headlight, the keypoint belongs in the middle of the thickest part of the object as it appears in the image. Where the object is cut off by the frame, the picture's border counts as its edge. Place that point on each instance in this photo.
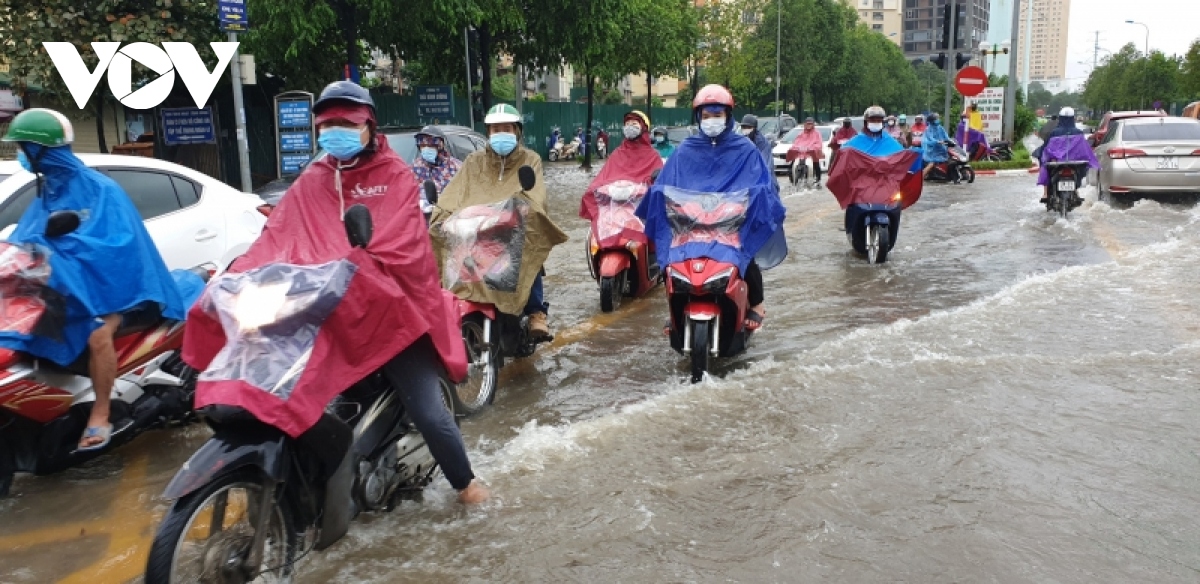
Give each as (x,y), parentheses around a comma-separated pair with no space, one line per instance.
(259,305)
(717,283)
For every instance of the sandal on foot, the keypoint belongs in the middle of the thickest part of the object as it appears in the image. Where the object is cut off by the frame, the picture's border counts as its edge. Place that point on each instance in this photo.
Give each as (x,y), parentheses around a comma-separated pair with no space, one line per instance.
(104,433)
(754,320)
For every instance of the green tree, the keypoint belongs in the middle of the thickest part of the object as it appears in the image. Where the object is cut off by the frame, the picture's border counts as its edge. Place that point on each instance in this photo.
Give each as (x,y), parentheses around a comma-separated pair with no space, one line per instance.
(664,36)
(1189,74)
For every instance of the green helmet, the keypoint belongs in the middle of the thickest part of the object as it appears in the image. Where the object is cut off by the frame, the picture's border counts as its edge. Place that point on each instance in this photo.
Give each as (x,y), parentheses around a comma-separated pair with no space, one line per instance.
(503,114)
(40,126)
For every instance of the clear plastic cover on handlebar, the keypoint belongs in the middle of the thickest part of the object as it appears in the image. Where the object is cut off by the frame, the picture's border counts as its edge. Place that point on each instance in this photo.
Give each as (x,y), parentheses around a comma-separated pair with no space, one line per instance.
(25,299)
(271,316)
(616,203)
(485,243)
(697,217)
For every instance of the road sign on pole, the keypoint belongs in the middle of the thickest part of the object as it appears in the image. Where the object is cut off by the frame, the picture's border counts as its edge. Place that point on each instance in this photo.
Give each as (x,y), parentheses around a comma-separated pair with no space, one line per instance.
(971,81)
(233,15)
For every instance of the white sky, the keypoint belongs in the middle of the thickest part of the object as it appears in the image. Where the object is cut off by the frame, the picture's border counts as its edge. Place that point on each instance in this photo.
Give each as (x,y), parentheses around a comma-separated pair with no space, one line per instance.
(1173,24)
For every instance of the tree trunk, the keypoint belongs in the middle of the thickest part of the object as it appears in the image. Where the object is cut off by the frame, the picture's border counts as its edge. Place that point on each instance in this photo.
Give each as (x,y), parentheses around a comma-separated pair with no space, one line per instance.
(485,66)
(100,124)
(587,132)
(649,96)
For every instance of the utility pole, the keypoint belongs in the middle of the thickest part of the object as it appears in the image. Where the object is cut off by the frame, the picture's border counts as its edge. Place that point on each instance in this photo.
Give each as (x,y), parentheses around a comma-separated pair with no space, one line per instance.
(951,45)
(470,97)
(1096,52)
(778,39)
(1028,50)
(243,145)
(1010,90)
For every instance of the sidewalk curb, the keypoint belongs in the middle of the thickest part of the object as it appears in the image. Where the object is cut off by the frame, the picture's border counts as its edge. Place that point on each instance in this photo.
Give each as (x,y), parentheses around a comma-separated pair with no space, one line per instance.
(1009,172)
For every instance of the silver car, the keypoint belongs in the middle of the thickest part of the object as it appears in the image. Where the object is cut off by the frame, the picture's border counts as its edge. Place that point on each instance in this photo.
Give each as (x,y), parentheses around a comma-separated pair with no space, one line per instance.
(1149,156)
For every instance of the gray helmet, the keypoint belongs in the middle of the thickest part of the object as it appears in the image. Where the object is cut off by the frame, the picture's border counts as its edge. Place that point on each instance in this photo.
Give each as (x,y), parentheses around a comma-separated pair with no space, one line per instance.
(874,112)
(750,120)
(658,130)
(434,131)
(343,91)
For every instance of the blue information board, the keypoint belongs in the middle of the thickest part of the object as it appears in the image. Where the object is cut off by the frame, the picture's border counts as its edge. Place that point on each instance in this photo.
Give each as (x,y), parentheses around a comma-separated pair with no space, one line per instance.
(233,16)
(292,163)
(435,101)
(295,114)
(295,141)
(187,125)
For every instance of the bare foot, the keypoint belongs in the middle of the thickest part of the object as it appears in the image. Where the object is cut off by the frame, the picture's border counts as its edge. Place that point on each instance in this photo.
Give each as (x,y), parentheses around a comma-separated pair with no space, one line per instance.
(474,494)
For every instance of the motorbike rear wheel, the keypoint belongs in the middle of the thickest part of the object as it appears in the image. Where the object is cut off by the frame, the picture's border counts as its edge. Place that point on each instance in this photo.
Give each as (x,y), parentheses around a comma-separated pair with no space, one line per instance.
(553,155)
(700,342)
(233,500)
(967,173)
(1064,203)
(612,288)
(478,391)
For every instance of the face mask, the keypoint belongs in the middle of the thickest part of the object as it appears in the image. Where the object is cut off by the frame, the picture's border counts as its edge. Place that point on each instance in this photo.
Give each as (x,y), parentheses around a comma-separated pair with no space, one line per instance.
(341,143)
(659,139)
(747,131)
(503,143)
(875,126)
(632,131)
(24,161)
(712,127)
(429,154)
(891,123)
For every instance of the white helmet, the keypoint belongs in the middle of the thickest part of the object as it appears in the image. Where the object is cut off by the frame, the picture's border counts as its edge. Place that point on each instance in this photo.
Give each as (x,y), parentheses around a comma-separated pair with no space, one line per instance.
(1067,111)
(502,114)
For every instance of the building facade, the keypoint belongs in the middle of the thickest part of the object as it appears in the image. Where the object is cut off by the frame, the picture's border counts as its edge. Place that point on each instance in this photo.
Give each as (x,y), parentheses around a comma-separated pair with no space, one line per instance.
(1048,50)
(923,27)
(882,16)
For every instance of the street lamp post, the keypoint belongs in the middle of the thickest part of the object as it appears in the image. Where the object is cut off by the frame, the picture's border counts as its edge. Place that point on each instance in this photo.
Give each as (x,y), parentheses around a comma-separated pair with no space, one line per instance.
(778,38)
(1146,71)
(986,48)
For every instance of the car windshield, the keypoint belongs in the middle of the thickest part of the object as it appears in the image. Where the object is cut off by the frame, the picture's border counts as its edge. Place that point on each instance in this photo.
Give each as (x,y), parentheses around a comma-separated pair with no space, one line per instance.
(1160,132)
(677,135)
(768,127)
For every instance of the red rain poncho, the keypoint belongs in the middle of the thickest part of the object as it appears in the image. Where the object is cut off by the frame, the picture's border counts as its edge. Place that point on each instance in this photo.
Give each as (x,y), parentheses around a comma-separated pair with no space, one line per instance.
(861,179)
(394,298)
(809,140)
(633,160)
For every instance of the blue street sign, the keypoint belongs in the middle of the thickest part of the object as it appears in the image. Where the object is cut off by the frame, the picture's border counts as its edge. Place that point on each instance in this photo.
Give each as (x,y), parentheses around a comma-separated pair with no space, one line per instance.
(187,125)
(435,101)
(292,163)
(233,17)
(295,141)
(295,114)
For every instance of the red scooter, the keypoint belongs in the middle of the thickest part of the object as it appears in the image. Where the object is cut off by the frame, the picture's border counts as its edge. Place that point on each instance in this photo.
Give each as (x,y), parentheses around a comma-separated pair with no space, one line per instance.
(485,244)
(44,407)
(708,299)
(619,254)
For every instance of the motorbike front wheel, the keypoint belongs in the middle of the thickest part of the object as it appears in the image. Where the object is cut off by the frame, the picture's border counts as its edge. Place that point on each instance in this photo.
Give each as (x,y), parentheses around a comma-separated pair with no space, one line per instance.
(207,535)
(967,173)
(700,342)
(875,253)
(478,391)
(553,156)
(612,288)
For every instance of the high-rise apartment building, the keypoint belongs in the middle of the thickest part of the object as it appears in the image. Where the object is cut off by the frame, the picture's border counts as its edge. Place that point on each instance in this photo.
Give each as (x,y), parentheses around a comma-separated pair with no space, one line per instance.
(1048,53)
(923,26)
(882,16)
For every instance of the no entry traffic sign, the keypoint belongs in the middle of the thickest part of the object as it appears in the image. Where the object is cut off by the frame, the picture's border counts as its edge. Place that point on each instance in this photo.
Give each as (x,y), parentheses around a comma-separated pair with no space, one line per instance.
(971,81)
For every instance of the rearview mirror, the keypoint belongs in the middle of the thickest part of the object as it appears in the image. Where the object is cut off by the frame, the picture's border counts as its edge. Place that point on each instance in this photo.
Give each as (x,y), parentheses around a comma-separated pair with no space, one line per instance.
(61,223)
(527,177)
(359,226)
(431,193)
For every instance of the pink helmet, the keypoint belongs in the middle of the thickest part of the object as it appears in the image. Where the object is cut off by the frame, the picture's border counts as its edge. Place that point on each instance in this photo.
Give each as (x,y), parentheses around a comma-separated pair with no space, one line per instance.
(713,95)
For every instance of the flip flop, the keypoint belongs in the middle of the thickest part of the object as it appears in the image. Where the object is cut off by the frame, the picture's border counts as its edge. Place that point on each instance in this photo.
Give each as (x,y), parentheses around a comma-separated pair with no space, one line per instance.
(754,320)
(102,432)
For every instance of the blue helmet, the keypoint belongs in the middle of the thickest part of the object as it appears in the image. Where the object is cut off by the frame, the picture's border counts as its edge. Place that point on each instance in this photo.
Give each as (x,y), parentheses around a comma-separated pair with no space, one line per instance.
(343,91)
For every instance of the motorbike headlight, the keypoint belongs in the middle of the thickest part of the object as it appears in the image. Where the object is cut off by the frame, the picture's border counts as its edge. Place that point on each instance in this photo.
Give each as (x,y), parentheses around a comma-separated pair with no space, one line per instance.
(683,285)
(257,306)
(717,283)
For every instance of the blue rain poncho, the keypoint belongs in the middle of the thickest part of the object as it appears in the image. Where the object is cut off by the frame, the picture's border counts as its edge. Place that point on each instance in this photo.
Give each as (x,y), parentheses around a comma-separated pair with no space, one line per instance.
(880,146)
(933,148)
(726,164)
(108,265)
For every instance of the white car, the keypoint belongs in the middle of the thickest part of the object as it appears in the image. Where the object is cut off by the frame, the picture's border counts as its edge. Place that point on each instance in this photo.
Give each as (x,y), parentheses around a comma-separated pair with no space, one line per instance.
(193,218)
(779,152)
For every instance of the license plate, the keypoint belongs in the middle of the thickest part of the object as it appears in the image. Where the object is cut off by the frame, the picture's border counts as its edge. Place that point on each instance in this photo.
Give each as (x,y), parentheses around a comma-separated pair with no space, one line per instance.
(1066,185)
(1168,163)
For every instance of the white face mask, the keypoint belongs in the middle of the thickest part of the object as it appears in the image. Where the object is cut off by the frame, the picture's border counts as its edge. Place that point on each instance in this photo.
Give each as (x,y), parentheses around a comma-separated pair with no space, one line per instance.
(747,131)
(875,127)
(632,131)
(712,127)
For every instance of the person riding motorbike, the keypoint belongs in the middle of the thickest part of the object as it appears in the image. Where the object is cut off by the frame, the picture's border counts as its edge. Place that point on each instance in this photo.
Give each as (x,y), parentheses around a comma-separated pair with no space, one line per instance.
(973,141)
(397,320)
(106,270)
(633,160)
(719,161)
(664,146)
(490,176)
(893,129)
(1068,147)
(750,130)
(435,163)
(809,140)
(916,133)
(933,147)
(842,135)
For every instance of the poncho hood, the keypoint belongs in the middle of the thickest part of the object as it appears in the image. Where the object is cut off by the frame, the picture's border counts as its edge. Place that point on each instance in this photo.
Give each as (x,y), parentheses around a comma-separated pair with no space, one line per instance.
(392,299)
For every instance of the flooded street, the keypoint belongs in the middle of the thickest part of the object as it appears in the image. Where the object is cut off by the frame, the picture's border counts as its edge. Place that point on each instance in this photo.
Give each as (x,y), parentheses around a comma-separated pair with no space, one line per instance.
(1011,398)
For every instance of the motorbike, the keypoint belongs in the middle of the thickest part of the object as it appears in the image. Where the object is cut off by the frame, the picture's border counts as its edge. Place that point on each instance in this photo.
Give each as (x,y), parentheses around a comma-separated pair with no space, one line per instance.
(485,244)
(800,167)
(602,147)
(620,257)
(872,229)
(565,150)
(252,499)
(994,152)
(958,171)
(44,407)
(1062,190)
(707,298)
